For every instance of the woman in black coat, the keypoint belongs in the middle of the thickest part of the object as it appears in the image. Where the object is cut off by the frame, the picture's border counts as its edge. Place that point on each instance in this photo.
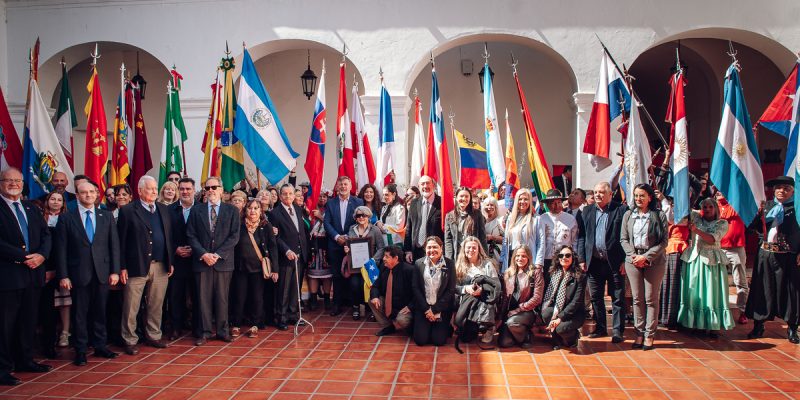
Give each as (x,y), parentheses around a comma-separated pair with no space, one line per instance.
(434,284)
(255,251)
(563,309)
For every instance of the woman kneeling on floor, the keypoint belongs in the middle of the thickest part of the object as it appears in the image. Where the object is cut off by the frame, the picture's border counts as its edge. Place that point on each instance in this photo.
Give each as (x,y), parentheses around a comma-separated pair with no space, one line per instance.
(563,310)
(434,285)
(523,294)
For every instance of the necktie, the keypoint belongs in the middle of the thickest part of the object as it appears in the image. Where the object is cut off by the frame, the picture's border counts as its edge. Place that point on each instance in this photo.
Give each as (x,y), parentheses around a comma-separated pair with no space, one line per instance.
(291,212)
(152,208)
(23,223)
(388,306)
(213,218)
(89,226)
(423,223)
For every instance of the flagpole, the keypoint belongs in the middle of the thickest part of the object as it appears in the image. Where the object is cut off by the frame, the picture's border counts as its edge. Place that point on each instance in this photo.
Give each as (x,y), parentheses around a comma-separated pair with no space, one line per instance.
(456,155)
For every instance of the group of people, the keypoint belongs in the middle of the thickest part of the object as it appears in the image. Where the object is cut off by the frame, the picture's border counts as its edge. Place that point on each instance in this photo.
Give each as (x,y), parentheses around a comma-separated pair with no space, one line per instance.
(145,267)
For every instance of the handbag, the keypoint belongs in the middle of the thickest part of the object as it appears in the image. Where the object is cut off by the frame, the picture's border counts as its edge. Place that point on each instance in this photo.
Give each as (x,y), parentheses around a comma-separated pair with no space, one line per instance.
(266,265)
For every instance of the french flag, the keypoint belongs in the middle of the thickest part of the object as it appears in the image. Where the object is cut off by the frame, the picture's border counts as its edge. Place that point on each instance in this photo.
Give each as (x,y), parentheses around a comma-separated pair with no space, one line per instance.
(385,140)
(679,147)
(611,101)
(781,117)
(315,156)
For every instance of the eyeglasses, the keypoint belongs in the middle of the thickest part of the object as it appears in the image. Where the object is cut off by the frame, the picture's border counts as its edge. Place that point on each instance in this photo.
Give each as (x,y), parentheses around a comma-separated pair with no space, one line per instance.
(212,187)
(565,255)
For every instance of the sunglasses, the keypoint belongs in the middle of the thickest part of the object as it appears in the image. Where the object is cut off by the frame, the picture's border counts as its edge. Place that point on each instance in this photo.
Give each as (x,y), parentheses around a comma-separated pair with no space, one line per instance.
(565,255)
(361,216)
(212,187)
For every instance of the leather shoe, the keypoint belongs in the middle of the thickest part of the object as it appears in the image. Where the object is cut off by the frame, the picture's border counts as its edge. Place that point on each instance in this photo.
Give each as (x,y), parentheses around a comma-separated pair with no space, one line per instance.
(50,354)
(597,334)
(34,367)
(226,339)
(388,330)
(336,311)
(757,332)
(200,341)
(159,344)
(131,350)
(282,327)
(80,359)
(9,380)
(793,338)
(104,352)
(175,335)
(617,339)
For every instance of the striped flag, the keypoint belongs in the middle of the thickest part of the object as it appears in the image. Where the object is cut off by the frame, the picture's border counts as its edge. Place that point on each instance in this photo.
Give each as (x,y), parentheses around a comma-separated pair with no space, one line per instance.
(736,167)
(213,132)
(231,152)
(638,157)
(494,148)
(512,179)
(66,120)
(678,146)
(540,172)
(437,145)
(10,146)
(419,149)
(611,100)
(386,145)
(344,134)
(315,156)
(259,128)
(474,171)
(365,164)
(120,167)
(174,136)
(781,117)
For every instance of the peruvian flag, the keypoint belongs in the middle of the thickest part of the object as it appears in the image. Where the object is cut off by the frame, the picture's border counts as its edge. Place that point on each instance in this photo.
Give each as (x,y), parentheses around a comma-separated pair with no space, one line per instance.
(385,140)
(315,156)
(365,166)
(611,100)
(438,160)
(344,134)
(419,149)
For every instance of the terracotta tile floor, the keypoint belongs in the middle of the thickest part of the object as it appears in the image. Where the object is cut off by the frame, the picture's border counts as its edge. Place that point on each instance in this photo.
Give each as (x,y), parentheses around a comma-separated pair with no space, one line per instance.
(343,359)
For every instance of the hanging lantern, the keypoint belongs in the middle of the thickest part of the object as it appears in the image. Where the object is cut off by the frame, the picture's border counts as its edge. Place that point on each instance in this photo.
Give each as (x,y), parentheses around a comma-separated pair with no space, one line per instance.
(309,79)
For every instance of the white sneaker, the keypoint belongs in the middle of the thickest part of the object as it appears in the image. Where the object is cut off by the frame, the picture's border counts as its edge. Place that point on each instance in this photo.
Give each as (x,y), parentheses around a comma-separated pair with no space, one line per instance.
(63,339)
(488,336)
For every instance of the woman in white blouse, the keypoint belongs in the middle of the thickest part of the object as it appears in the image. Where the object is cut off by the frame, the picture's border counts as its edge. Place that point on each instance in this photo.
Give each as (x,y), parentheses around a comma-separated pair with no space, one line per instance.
(520,229)
(392,220)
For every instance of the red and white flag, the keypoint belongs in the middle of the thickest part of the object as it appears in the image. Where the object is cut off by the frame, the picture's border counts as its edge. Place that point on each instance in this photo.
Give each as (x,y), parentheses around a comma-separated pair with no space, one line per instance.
(344,136)
(419,149)
(365,164)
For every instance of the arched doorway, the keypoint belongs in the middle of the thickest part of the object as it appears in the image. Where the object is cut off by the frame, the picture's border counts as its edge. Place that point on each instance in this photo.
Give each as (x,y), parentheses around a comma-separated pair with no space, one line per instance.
(547,79)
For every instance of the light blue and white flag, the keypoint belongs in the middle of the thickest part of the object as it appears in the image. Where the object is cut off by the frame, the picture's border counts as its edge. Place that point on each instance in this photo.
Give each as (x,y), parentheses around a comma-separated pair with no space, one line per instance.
(736,167)
(495,156)
(258,128)
(637,155)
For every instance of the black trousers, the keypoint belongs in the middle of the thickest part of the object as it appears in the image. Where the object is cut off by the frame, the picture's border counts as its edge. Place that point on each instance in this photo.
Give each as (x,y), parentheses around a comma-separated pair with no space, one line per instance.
(268,292)
(341,293)
(427,332)
(179,288)
(48,316)
(601,273)
(286,307)
(114,315)
(19,311)
(566,332)
(213,289)
(89,314)
(248,298)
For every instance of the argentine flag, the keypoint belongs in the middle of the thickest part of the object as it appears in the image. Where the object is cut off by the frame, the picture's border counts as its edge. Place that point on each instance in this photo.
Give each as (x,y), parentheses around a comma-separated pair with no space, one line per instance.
(494,149)
(258,127)
(736,168)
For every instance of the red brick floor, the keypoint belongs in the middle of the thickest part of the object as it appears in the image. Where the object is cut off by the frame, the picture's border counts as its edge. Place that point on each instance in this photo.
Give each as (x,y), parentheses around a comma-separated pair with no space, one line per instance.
(343,359)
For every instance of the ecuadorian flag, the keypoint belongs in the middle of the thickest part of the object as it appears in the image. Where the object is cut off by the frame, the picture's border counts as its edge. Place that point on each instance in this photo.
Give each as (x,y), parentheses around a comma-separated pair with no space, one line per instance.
(474,169)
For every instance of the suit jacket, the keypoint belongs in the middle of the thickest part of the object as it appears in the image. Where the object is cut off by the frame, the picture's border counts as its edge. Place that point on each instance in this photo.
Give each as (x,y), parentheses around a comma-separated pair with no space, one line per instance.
(289,238)
(79,260)
(333,222)
(433,226)
(183,265)
(573,300)
(15,274)
(222,242)
(563,185)
(587,222)
(402,290)
(136,238)
(445,298)
(453,237)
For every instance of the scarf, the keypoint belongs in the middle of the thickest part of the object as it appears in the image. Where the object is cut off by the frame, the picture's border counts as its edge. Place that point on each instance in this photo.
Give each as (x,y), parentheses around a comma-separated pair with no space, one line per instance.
(558,289)
(251,226)
(775,214)
(432,281)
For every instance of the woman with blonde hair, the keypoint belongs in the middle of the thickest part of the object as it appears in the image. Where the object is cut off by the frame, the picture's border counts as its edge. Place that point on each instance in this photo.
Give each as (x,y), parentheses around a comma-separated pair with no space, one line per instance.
(524,290)
(494,227)
(168,193)
(477,287)
(520,227)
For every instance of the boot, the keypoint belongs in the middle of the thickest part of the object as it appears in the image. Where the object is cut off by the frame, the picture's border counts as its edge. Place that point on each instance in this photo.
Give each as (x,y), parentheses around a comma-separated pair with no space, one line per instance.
(312,301)
(326,300)
(758,330)
(792,333)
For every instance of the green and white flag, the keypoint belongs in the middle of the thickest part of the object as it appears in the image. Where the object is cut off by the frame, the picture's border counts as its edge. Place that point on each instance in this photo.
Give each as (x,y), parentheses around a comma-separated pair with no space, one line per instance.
(65,120)
(174,136)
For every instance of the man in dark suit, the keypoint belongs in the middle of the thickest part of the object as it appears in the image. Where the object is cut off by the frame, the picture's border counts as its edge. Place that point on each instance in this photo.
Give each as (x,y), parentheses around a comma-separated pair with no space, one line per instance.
(424,218)
(24,245)
(145,235)
(182,280)
(391,297)
(87,262)
(213,231)
(600,254)
(563,182)
(293,249)
(338,219)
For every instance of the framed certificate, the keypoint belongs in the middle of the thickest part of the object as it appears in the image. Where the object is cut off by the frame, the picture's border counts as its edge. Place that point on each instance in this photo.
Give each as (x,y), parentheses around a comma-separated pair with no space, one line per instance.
(359,252)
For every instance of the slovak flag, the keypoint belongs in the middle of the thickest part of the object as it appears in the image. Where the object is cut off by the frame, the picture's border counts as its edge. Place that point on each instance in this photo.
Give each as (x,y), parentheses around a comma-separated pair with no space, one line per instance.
(315,156)
(679,147)
(781,117)
(386,147)
(736,168)
(437,165)
(610,101)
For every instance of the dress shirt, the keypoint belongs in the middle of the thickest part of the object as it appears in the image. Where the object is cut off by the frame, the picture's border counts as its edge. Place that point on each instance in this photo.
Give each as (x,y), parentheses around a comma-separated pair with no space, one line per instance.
(600,224)
(343,211)
(185,211)
(555,230)
(92,216)
(13,210)
(147,206)
(641,224)
(292,215)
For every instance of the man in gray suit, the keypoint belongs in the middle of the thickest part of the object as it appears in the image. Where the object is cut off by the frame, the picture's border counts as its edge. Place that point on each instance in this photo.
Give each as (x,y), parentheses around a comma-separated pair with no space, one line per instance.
(212,232)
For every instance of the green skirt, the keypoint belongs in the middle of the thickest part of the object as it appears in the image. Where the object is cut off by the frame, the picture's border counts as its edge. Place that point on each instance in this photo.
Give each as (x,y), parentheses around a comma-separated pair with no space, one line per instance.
(704,297)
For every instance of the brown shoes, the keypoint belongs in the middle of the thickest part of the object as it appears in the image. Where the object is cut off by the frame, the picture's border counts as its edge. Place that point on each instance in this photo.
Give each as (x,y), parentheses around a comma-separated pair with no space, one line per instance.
(159,344)
(131,350)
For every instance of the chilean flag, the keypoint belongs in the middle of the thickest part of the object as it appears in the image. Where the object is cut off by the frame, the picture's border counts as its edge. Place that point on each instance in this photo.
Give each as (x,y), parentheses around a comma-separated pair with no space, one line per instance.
(385,140)
(781,117)
(344,133)
(437,165)
(610,101)
(315,156)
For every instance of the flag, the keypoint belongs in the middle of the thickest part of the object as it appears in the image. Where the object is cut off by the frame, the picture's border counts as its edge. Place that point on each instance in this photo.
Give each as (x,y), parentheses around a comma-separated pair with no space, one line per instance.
(611,99)
(512,179)
(213,133)
(386,144)
(315,156)
(638,157)
(679,147)
(494,148)
(142,160)
(437,145)
(473,162)
(365,166)
(174,136)
(10,146)
(419,150)
(259,128)
(66,120)
(42,156)
(370,273)
(120,167)
(781,118)
(736,167)
(540,172)
(231,152)
(96,132)
(344,134)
